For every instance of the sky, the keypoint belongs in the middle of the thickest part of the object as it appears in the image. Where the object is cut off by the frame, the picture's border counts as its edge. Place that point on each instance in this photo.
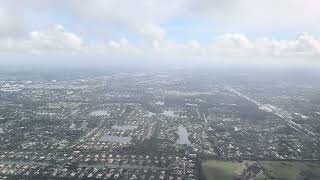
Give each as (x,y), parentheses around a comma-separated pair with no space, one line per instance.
(184,31)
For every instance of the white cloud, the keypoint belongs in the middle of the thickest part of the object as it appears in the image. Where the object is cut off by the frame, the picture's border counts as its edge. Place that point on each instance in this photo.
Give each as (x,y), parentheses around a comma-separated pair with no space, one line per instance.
(10,24)
(151,32)
(51,40)
(126,11)
(56,40)
(232,44)
(238,45)
(223,14)
(305,45)
(143,17)
(238,15)
(146,18)
(119,49)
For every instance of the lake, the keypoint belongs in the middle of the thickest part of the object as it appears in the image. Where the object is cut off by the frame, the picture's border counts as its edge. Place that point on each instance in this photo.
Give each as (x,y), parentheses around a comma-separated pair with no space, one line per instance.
(183,136)
(124,128)
(72,126)
(117,139)
(99,113)
(170,113)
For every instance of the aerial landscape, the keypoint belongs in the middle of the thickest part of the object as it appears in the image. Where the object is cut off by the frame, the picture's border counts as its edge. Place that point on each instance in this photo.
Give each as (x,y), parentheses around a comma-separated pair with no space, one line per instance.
(159,90)
(159,125)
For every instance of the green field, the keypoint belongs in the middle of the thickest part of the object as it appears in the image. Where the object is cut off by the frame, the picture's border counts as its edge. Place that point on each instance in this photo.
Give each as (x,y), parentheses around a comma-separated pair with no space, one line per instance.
(222,170)
(291,170)
(282,170)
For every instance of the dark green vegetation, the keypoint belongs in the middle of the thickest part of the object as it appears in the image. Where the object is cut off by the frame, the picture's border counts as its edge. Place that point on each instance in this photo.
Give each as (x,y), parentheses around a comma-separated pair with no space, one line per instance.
(284,170)
(291,170)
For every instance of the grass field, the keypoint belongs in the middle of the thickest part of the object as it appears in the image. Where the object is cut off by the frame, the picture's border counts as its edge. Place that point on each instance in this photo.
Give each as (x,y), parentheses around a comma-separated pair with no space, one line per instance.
(222,170)
(291,170)
(284,170)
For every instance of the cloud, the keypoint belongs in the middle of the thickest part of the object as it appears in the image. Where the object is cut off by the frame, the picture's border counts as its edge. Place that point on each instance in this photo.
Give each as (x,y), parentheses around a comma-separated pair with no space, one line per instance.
(125,11)
(235,15)
(116,49)
(56,40)
(232,44)
(151,32)
(150,15)
(305,45)
(11,25)
(143,17)
(53,39)
(227,14)
(148,20)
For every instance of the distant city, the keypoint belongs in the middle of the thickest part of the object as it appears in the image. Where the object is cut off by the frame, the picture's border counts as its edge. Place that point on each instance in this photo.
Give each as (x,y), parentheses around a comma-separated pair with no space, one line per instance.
(155,124)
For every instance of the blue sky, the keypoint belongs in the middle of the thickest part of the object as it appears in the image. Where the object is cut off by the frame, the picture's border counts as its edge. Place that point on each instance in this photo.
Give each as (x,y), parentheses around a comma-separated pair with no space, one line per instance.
(195,30)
